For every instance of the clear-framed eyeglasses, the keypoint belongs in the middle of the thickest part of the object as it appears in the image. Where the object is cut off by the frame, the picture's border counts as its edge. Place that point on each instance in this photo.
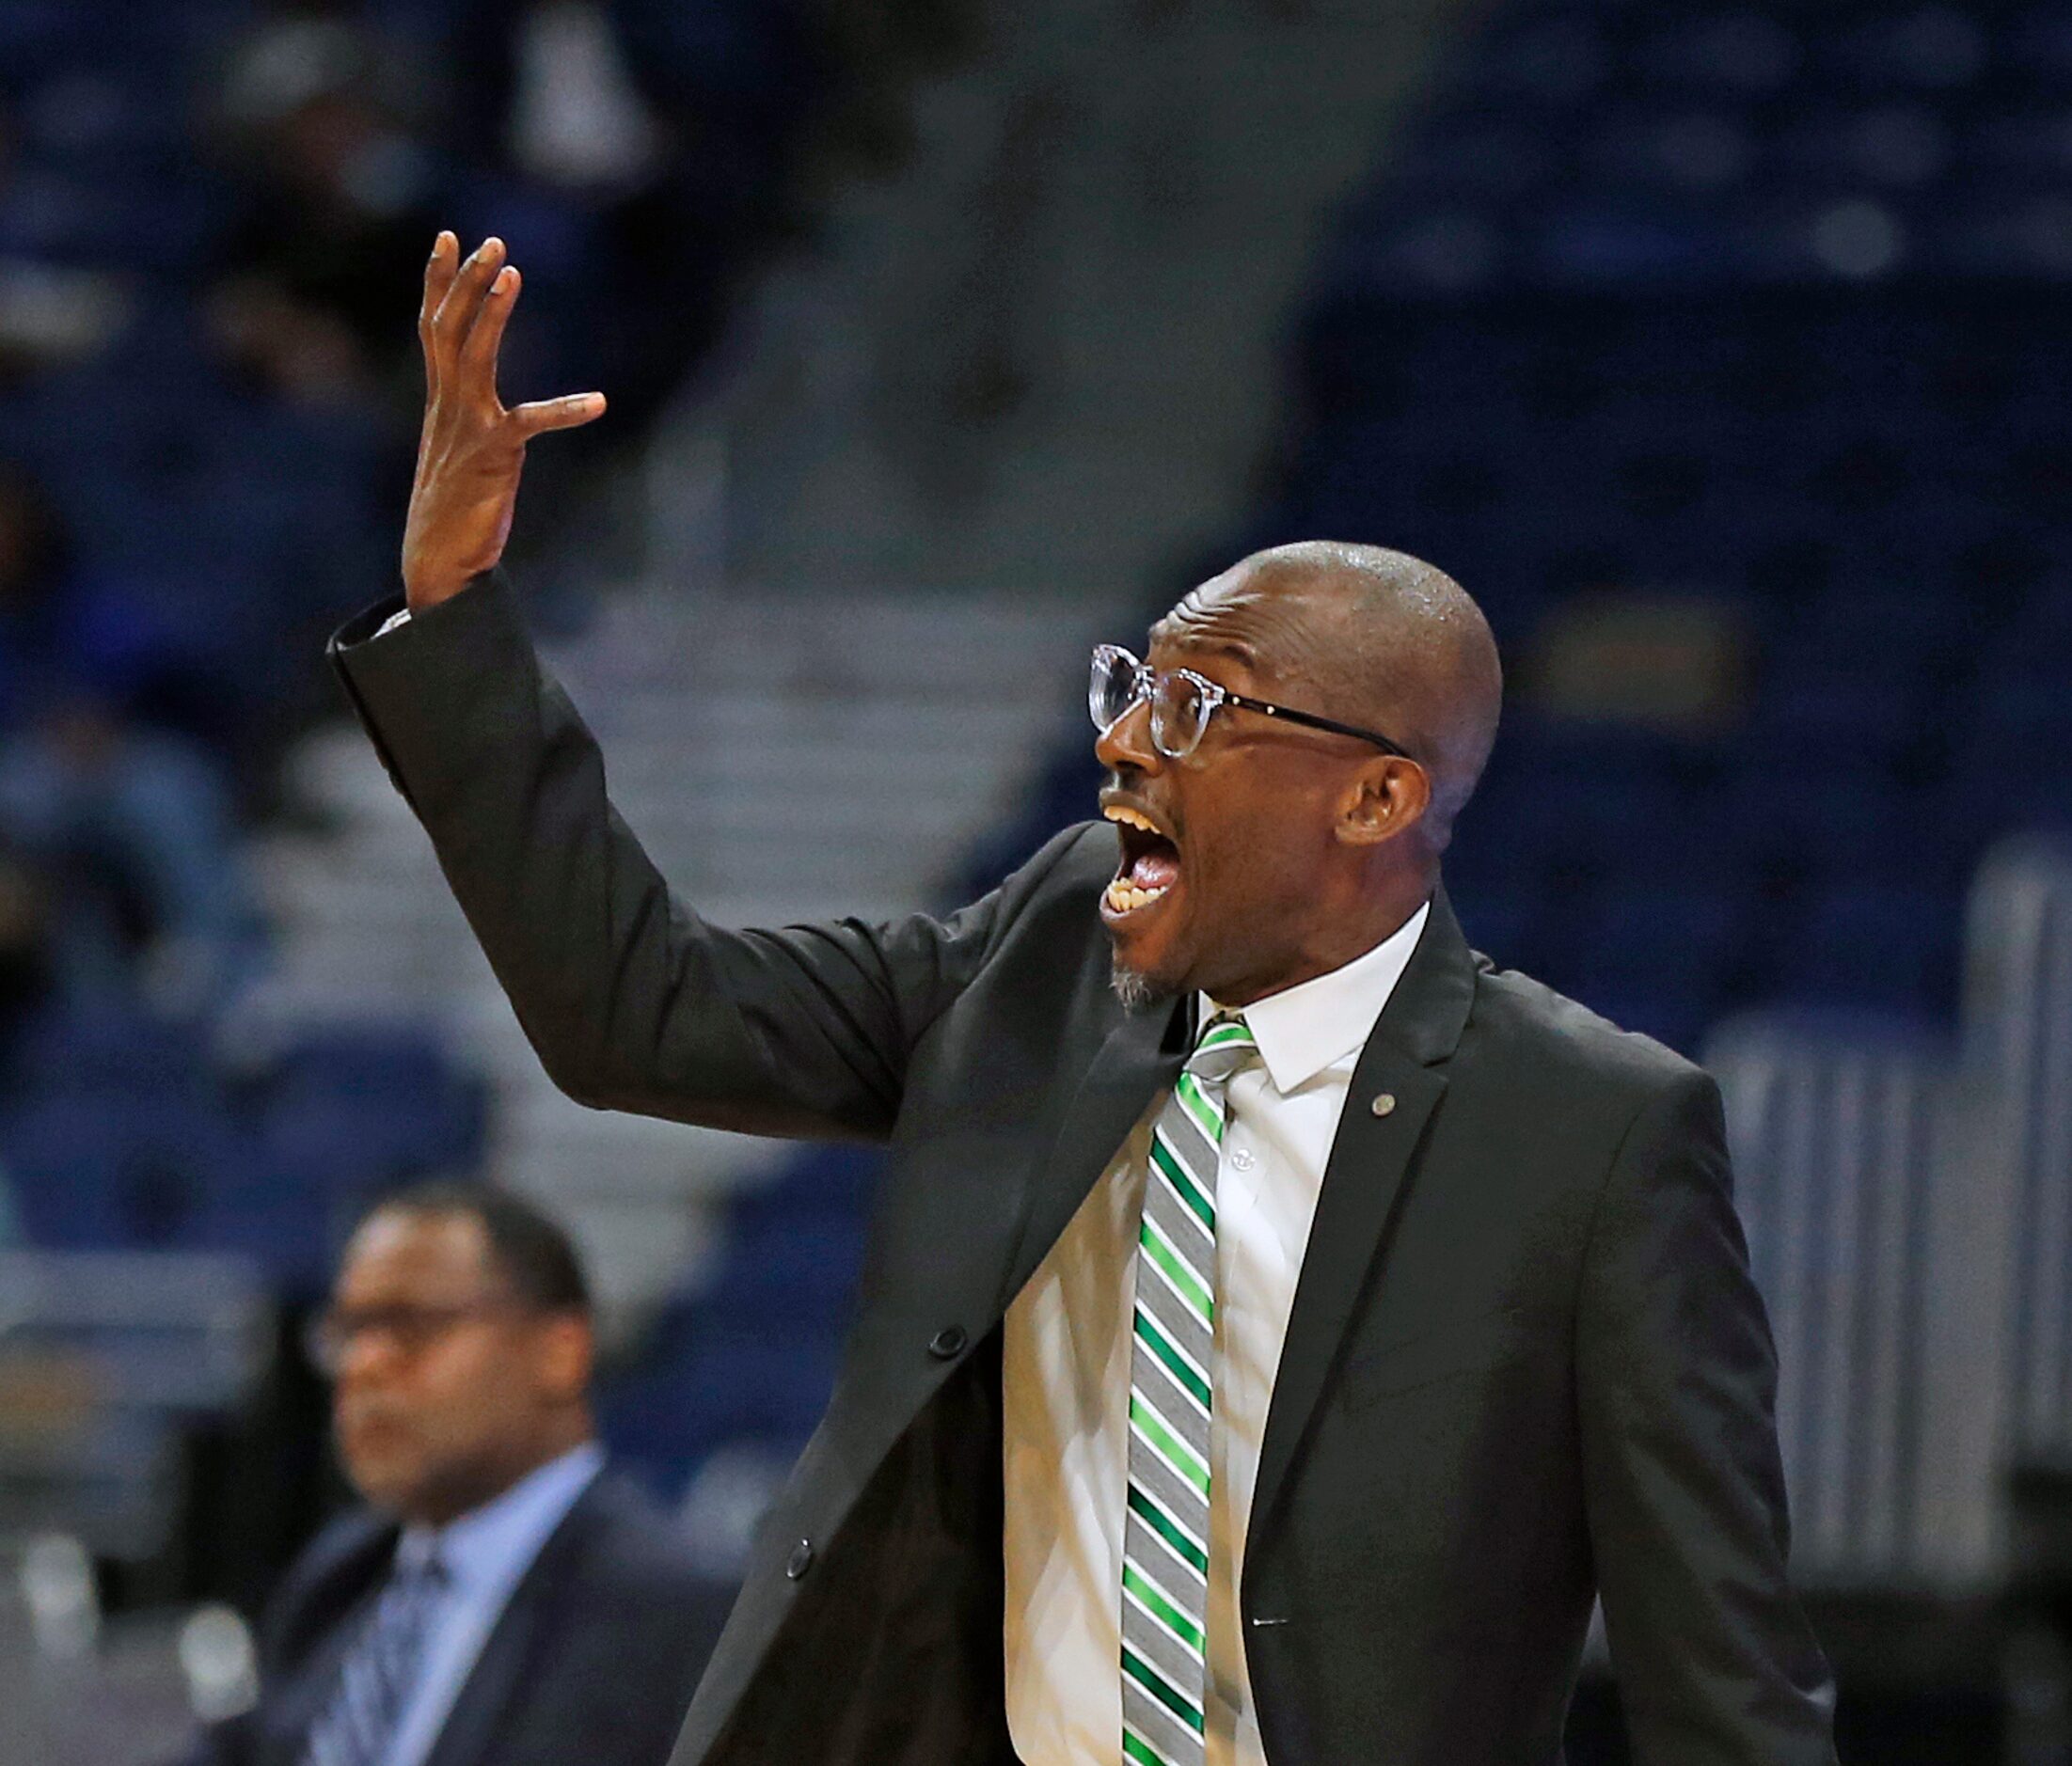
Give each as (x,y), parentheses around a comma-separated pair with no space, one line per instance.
(1182,703)
(410,1329)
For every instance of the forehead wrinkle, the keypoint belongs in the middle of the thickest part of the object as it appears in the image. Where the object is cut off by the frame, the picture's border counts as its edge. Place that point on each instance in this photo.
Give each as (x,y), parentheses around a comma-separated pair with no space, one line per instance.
(1261,626)
(1367,634)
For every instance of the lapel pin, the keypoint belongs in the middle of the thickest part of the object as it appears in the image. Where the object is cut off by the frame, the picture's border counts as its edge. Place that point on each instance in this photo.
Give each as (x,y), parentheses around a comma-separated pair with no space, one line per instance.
(1383,1102)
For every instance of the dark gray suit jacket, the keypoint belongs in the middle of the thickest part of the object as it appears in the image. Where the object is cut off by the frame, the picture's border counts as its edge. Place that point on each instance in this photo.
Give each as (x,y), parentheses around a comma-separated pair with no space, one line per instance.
(1525,1362)
(592,1660)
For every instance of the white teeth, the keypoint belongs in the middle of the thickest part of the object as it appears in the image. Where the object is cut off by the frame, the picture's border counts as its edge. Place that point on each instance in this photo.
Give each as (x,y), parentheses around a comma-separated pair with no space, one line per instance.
(1127,898)
(1133,819)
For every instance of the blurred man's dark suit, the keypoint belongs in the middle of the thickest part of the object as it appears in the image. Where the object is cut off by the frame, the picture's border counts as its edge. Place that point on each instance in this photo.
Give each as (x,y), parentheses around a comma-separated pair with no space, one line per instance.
(592,1663)
(1525,1361)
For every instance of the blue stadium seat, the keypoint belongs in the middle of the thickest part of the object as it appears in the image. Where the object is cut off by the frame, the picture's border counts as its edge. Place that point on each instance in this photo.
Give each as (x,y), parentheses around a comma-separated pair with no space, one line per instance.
(802,1265)
(1722,54)
(1623,243)
(1673,941)
(1821,705)
(1557,58)
(1670,1018)
(97,1166)
(704,1381)
(1924,48)
(109,1050)
(348,1112)
(1898,145)
(1879,944)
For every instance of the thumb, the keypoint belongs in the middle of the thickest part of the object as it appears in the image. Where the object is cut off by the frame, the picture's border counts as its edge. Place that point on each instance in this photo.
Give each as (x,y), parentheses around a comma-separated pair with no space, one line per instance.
(571,412)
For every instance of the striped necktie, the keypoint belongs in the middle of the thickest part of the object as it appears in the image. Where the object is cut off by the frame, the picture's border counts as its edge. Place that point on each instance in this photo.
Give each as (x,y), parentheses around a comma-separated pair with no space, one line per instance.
(380,1671)
(1165,1531)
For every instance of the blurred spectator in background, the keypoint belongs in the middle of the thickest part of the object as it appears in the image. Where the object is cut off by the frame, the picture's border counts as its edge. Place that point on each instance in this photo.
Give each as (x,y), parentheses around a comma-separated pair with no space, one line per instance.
(59,622)
(132,830)
(129,828)
(635,147)
(50,313)
(504,1599)
(337,209)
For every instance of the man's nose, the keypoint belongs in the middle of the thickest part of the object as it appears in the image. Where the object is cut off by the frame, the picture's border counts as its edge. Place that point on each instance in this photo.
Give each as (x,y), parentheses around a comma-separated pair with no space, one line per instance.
(1127,744)
(366,1357)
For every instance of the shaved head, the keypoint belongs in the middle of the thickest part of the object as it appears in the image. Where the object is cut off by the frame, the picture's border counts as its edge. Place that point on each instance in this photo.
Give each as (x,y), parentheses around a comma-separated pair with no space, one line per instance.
(1380,639)
(1256,848)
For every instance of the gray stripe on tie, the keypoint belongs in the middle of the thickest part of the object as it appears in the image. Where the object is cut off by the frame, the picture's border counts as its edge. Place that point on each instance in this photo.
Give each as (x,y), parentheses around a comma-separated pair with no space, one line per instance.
(1183,1325)
(1167,1488)
(1195,1152)
(1148,1549)
(1175,1408)
(1159,1646)
(1157,1725)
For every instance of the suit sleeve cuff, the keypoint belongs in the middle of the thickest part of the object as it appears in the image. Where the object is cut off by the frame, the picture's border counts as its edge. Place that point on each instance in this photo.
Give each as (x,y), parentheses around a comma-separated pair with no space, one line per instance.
(396,666)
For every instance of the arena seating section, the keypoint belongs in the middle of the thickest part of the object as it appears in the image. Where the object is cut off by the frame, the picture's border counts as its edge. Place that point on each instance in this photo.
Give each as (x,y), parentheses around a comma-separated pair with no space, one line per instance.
(235,525)
(1757,309)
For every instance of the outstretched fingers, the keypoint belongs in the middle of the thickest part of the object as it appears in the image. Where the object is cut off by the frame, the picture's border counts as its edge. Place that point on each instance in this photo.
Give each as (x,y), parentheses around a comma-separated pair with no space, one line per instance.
(439,279)
(455,314)
(485,335)
(541,414)
(461,325)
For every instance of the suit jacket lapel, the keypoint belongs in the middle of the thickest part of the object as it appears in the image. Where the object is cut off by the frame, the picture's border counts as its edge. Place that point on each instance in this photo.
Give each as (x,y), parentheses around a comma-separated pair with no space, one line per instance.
(475,1721)
(1370,1156)
(324,1608)
(1139,1060)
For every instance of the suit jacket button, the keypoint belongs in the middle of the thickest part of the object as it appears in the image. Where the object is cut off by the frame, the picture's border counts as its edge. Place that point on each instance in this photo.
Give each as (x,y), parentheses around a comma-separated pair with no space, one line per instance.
(948,1342)
(800,1560)
(1383,1102)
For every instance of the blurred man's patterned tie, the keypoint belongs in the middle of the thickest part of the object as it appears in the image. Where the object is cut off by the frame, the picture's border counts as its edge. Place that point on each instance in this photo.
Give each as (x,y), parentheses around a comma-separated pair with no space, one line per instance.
(1172,1361)
(380,1671)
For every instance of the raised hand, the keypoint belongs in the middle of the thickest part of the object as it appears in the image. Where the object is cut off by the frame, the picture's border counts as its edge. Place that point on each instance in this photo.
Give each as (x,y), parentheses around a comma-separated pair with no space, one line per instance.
(472,450)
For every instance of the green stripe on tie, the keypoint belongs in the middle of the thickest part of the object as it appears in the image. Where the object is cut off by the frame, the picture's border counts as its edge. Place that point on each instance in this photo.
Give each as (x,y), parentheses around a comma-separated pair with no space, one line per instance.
(1146,1675)
(1174,1451)
(1183,1183)
(1147,1511)
(1140,1750)
(1176,1269)
(1171,1360)
(1208,1118)
(1182,1627)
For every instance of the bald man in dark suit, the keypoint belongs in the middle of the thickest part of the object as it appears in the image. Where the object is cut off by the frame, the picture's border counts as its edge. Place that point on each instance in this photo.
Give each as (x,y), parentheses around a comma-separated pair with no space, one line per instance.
(1280,1324)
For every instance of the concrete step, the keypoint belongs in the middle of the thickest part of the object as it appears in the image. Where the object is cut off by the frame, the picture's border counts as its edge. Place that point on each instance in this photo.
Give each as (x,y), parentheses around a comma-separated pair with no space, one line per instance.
(777,772)
(1115,212)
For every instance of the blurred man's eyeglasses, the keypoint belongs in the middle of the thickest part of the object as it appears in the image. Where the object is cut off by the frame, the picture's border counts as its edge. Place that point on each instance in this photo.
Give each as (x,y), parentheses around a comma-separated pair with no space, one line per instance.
(1182,703)
(411,1330)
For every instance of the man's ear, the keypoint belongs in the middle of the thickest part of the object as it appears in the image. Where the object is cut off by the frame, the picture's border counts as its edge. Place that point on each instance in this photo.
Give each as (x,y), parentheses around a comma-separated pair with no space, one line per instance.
(1387,799)
(567,1351)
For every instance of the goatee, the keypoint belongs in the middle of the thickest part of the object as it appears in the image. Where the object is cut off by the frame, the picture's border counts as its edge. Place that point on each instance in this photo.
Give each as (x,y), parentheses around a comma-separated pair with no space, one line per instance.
(1135,989)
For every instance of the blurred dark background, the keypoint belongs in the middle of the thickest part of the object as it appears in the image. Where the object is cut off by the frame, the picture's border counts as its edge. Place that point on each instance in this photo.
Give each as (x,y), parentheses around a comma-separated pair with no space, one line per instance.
(1718,349)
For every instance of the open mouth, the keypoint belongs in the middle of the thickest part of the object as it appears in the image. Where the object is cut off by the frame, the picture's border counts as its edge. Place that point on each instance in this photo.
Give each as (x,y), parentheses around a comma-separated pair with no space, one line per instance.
(1149,867)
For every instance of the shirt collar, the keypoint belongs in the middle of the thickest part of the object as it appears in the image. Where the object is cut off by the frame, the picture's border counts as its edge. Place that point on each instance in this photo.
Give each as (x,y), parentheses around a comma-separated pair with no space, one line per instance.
(1302,1029)
(509,1528)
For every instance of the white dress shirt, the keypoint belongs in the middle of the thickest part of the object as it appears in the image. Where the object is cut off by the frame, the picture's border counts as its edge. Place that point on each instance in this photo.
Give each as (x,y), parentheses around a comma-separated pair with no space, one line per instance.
(1066,1376)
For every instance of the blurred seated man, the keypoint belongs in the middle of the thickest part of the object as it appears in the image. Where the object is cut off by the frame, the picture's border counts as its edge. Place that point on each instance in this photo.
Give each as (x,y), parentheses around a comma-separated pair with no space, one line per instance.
(504,1600)
(128,832)
(135,835)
